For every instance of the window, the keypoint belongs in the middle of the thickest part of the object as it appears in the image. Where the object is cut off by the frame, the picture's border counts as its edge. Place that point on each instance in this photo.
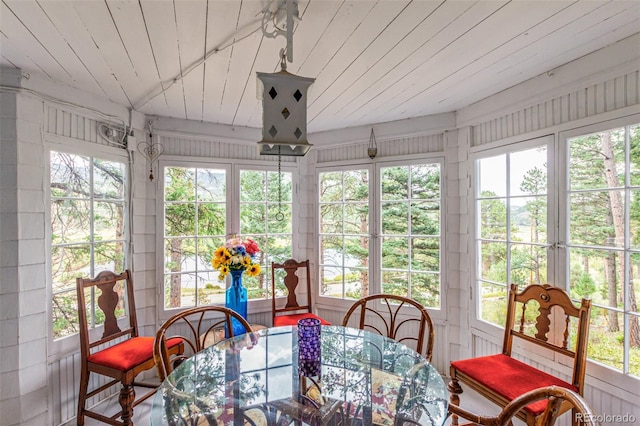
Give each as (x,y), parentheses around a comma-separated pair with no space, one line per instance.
(603,241)
(406,230)
(87,231)
(195,208)
(266,217)
(199,215)
(344,233)
(410,232)
(511,221)
(596,251)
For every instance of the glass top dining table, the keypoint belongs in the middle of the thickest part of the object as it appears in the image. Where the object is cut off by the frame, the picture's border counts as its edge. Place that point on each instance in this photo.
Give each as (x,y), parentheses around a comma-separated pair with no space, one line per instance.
(364,379)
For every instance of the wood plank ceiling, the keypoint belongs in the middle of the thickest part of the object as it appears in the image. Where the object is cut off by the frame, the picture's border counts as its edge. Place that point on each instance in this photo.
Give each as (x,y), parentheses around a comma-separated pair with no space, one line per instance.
(373,61)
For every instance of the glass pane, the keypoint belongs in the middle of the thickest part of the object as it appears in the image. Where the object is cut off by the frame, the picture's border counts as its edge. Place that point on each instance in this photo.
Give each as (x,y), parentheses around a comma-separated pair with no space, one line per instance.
(179,291)
(528,264)
(395,283)
(70,221)
(210,291)
(331,281)
(493,303)
(179,254)
(529,219)
(211,219)
(528,172)
(356,185)
(277,223)
(634,228)
(64,314)
(634,138)
(493,176)
(206,248)
(179,219)
(356,283)
(179,184)
(425,254)
(330,187)
(331,250)
(108,219)
(68,263)
(284,192)
(493,219)
(70,175)
(356,218)
(108,257)
(108,180)
(395,183)
(331,218)
(425,218)
(425,182)
(493,261)
(597,274)
(605,333)
(356,251)
(212,185)
(279,248)
(252,185)
(395,253)
(395,218)
(590,218)
(253,218)
(425,288)
(257,287)
(597,161)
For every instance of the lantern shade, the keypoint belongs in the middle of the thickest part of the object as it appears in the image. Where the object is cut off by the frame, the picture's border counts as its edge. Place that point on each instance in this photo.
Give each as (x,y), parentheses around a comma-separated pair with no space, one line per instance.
(284,113)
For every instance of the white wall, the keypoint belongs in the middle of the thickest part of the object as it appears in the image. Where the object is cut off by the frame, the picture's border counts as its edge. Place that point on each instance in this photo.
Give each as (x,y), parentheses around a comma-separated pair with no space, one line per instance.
(38,384)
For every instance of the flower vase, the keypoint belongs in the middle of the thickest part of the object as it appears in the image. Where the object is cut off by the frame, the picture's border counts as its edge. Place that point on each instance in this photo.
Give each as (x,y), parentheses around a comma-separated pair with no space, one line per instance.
(236,299)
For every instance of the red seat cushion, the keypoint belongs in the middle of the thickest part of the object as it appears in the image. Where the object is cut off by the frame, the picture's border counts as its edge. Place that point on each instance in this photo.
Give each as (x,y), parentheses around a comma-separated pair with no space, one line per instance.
(509,377)
(126,355)
(281,320)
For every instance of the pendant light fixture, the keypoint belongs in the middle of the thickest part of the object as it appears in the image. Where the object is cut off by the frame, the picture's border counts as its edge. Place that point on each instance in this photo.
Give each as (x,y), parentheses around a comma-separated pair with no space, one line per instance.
(283,95)
(372,150)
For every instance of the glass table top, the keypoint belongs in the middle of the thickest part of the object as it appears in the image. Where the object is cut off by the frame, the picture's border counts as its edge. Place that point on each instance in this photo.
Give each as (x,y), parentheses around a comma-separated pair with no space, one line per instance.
(253,379)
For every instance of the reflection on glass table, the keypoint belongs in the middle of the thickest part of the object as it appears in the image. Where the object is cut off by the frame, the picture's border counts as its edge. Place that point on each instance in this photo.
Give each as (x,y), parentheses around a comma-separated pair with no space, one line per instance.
(253,379)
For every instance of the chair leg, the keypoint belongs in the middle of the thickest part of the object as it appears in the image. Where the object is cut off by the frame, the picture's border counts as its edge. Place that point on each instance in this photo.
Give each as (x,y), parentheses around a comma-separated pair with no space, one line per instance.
(126,399)
(455,390)
(82,396)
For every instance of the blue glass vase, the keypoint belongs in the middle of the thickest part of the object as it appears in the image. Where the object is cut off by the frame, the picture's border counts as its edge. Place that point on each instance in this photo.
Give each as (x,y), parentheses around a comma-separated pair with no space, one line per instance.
(236,299)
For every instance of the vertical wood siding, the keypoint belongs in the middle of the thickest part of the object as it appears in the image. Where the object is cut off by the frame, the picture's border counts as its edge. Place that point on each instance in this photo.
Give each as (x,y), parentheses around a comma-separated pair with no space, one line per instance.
(610,95)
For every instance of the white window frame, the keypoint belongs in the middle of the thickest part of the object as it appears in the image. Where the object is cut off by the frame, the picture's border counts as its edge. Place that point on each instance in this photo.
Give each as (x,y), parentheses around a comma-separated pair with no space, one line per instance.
(232,169)
(375,188)
(601,375)
(59,348)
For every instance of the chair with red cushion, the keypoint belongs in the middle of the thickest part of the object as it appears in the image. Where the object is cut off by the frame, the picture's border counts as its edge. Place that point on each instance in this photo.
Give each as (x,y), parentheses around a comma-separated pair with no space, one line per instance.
(120,353)
(552,398)
(292,311)
(502,378)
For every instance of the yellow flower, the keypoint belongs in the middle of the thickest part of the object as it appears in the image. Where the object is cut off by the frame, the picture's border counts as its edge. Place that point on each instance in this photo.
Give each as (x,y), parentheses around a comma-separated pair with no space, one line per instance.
(253,270)
(246,262)
(223,254)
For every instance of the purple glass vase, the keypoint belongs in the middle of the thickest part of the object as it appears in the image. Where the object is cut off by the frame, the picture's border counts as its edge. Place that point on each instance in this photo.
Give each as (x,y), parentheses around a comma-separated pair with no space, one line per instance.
(309,347)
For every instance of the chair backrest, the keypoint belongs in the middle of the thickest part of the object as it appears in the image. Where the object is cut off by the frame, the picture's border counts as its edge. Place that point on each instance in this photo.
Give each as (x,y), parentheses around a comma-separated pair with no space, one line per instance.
(384,314)
(542,308)
(555,396)
(291,281)
(109,298)
(195,328)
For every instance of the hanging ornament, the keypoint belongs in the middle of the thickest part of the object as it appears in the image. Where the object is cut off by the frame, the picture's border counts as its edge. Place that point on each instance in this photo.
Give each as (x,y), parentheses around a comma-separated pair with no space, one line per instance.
(150,150)
(372,150)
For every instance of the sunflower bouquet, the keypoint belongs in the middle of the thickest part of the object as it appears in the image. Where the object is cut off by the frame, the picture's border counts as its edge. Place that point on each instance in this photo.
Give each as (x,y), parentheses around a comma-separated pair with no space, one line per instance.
(236,255)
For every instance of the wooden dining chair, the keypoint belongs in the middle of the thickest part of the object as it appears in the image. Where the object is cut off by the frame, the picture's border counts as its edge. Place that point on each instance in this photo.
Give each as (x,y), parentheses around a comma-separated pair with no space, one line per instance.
(120,354)
(501,378)
(292,311)
(397,317)
(194,327)
(551,397)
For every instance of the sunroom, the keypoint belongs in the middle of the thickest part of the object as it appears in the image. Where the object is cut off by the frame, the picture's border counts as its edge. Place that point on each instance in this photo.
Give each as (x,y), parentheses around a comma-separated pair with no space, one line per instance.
(457,147)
